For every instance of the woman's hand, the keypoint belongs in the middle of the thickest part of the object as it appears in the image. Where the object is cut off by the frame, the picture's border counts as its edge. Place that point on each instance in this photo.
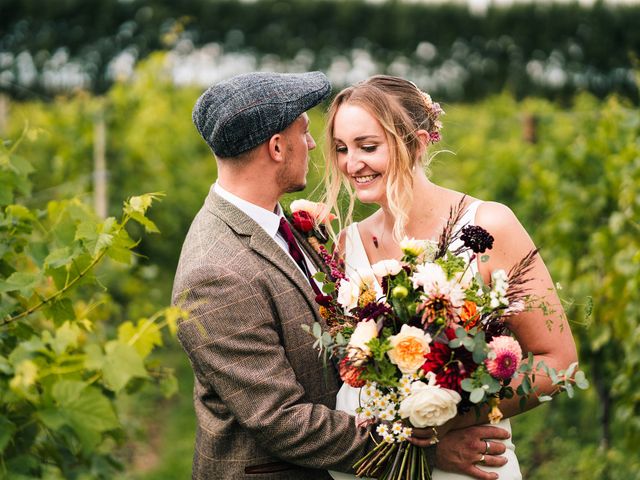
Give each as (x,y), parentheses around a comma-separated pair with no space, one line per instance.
(461,450)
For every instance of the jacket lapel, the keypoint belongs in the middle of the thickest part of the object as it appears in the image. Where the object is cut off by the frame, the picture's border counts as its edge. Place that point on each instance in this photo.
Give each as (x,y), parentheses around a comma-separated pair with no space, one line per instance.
(262,244)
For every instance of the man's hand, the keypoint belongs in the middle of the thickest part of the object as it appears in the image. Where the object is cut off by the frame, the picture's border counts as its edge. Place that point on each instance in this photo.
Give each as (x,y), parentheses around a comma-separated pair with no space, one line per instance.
(460,451)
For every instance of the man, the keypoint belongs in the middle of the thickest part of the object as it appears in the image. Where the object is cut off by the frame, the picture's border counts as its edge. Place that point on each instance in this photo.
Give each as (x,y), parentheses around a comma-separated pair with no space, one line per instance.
(264,402)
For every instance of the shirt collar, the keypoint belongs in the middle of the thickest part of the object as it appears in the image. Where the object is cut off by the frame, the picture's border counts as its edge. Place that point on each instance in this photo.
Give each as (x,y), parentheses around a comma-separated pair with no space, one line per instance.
(269,221)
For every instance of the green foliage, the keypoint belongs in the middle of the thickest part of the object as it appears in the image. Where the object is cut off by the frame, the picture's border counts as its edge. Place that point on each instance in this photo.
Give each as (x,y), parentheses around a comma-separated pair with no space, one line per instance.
(62,372)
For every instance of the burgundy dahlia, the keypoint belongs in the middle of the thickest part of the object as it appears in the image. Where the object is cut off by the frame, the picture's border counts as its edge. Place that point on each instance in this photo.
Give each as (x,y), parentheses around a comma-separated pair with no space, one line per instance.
(451,366)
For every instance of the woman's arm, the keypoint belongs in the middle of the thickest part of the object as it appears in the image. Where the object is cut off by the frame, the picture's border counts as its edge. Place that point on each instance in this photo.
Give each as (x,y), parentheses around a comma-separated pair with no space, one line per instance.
(542,331)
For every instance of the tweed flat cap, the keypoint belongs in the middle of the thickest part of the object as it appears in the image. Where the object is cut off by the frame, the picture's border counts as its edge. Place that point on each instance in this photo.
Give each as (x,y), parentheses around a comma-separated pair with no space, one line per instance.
(244,111)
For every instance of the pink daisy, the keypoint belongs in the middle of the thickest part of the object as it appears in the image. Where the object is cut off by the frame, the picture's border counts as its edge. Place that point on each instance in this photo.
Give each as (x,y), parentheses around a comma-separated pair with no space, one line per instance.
(508,355)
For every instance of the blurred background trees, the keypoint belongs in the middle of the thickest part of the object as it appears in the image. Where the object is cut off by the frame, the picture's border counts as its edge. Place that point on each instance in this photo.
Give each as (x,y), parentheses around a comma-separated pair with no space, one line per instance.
(457,54)
(541,103)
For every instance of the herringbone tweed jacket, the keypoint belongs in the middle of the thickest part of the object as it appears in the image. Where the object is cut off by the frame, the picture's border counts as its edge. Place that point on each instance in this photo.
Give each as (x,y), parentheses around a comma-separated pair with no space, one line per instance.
(263,401)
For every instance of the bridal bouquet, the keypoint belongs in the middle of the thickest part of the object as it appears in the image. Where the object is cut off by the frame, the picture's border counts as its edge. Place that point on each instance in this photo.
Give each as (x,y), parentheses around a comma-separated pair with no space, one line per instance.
(433,345)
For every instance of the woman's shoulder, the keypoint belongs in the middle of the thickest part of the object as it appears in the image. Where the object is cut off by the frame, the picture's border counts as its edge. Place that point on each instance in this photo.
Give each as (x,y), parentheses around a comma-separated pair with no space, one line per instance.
(512,241)
(496,217)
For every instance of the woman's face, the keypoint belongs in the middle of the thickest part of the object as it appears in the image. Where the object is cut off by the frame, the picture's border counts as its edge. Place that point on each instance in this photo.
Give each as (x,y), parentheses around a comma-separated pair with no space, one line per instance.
(362,151)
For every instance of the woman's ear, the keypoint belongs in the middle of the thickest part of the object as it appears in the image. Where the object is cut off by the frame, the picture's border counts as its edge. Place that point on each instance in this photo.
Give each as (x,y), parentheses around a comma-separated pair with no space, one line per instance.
(423,138)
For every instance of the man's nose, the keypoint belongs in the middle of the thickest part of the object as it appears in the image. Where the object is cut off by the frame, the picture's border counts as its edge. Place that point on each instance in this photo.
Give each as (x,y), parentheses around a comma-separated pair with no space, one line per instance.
(311,143)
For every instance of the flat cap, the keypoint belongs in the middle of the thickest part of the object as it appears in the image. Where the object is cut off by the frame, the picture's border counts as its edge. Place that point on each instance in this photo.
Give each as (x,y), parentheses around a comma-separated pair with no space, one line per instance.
(244,111)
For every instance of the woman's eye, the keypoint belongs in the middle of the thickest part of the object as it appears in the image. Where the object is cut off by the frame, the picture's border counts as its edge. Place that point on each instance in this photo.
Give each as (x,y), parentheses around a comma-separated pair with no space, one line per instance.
(341,149)
(369,148)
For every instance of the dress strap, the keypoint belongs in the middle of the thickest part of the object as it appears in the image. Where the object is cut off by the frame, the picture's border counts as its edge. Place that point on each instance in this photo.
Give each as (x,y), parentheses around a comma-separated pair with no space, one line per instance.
(469,215)
(355,255)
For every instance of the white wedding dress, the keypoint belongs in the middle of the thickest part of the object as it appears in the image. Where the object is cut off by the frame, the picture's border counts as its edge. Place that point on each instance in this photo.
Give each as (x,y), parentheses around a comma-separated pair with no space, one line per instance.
(348,398)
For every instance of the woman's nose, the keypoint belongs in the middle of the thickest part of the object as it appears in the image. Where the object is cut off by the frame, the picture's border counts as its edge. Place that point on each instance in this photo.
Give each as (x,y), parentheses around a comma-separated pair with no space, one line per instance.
(354,165)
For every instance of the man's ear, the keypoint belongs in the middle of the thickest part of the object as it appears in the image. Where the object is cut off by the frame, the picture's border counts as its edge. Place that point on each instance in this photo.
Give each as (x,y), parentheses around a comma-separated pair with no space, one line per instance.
(277,147)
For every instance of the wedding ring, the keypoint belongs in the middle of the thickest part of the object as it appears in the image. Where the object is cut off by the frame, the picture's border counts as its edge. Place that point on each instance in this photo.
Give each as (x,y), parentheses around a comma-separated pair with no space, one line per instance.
(434,439)
(487,446)
(481,461)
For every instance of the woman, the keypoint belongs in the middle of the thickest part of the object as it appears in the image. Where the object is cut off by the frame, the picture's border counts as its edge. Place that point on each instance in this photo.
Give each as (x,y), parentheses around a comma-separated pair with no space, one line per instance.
(377,139)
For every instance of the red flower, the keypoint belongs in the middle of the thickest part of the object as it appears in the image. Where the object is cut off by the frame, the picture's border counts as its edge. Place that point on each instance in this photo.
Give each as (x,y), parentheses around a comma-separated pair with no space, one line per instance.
(350,374)
(303,221)
(451,366)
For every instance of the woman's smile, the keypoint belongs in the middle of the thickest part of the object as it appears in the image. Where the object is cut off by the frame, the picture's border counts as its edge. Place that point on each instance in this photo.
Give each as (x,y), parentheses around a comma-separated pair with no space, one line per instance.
(365,179)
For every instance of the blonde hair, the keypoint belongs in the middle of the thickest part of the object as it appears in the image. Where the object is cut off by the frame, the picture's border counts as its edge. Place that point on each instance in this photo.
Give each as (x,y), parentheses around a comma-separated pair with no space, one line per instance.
(402,109)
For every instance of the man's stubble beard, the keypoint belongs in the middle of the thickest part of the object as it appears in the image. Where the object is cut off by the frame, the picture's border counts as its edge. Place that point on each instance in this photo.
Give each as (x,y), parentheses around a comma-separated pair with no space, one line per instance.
(286,181)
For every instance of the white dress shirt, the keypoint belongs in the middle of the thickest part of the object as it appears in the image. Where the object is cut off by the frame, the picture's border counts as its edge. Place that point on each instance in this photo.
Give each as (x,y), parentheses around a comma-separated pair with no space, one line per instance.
(269,221)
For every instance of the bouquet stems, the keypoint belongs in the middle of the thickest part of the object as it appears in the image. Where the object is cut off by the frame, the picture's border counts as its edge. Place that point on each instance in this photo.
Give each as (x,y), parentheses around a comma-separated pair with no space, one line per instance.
(409,462)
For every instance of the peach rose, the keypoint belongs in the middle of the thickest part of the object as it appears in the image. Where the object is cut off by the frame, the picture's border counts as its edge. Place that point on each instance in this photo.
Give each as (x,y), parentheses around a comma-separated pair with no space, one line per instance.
(410,346)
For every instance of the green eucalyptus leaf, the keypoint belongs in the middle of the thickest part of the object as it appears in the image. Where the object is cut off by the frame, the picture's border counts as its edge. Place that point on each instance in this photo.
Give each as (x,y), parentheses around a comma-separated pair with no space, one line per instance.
(467,385)
(317,330)
(477,395)
(581,380)
(570,391)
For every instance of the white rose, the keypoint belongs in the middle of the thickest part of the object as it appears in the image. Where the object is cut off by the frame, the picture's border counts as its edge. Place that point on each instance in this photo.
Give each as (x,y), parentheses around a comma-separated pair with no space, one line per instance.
(410,346)
(428,405)
(364,332)
(386,267)
(348,294)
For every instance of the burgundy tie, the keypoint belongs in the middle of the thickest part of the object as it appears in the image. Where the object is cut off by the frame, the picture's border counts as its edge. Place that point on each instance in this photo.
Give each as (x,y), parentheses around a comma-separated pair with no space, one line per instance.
(296,253)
